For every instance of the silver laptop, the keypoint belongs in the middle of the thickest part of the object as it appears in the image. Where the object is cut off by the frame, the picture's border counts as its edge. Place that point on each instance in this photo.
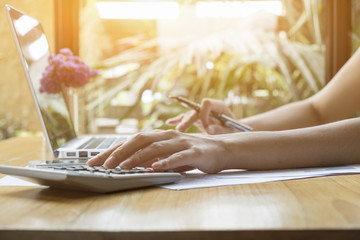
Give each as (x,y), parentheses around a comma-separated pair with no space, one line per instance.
(52,109)
(70,171)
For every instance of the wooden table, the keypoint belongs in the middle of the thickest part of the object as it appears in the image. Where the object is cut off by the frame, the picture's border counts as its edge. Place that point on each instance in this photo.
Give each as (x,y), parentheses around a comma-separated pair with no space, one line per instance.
(317,208)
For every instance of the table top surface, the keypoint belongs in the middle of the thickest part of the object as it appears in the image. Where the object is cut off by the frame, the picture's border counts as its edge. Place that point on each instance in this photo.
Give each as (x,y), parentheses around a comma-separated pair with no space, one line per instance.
(325,203)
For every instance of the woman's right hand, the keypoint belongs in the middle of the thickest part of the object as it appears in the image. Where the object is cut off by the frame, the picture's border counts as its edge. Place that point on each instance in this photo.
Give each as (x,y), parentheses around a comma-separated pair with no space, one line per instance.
(202,118)
(169,150)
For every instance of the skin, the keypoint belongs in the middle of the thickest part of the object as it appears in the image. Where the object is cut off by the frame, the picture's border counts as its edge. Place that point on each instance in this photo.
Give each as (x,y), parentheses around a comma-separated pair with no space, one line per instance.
(308,133)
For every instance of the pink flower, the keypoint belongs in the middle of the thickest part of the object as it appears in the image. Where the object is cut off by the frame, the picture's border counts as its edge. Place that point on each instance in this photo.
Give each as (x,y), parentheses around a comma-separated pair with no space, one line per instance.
(65,70)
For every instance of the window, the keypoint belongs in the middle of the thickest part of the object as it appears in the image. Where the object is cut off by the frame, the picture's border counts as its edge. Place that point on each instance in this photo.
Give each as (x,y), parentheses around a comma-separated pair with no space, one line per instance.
(254,55)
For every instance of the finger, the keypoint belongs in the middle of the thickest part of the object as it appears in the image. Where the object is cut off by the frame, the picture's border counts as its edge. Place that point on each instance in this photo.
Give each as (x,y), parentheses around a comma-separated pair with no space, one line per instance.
(99,159)
(219,107)
(134,144)
(153,151)
(176,160)
(188,119)
(205,109)
(212,105)
(175,120)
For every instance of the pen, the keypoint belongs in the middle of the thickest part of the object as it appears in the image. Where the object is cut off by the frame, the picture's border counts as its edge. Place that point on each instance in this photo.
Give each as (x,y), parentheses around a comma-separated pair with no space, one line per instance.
(226,120)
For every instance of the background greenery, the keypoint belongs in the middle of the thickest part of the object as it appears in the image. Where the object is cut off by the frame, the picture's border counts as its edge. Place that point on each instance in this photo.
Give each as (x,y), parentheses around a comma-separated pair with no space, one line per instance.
(251,70)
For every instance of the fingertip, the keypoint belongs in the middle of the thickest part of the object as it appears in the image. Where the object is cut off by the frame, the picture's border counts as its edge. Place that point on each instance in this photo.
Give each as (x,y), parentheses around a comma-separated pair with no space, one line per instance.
(170,122)
(157,165)
(175,120)
(110,163)
(180,128)
(108,166)
(126,164)
(92,162)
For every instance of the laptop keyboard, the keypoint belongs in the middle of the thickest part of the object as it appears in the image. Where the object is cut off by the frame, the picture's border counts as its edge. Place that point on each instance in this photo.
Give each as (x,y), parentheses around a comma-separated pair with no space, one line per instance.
(101,142)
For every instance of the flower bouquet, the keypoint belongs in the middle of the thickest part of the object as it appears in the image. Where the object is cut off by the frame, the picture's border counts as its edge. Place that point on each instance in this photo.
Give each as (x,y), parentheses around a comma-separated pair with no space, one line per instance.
(64,73)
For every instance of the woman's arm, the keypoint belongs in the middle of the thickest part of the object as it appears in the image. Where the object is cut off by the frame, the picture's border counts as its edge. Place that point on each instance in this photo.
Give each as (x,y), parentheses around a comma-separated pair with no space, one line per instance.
(290,116)
(326,145)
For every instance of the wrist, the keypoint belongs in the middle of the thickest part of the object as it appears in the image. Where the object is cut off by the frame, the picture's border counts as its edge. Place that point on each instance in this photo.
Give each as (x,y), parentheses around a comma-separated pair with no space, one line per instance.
(237,150)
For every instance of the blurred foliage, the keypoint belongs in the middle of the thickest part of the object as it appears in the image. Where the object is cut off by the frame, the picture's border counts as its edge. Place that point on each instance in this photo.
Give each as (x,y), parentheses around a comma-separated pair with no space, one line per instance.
(8,126)
(355,6)
(252,70)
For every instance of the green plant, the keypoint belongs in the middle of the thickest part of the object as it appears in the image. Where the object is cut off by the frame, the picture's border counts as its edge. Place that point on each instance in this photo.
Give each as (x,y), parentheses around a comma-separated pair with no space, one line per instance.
(251,70)
(355,24)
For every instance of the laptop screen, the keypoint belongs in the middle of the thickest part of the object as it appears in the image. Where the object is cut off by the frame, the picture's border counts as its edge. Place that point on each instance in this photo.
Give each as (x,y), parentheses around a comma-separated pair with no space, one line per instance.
(34,51)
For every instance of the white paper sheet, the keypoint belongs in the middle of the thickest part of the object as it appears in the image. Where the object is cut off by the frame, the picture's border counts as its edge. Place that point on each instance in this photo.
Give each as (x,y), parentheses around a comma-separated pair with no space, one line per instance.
(196,179)
(13,181)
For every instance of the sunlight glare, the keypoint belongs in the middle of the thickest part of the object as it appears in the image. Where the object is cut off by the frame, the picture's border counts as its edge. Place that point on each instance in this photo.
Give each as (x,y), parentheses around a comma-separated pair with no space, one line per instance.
(137,10)
(37,49)
(25,24)
(237,9)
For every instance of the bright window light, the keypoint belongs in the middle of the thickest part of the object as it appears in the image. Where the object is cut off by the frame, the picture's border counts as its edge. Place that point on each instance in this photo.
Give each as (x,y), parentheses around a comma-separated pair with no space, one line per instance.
(38,48)
(138,10)
(236,9)
(147,96)
(24,24)
(210,65)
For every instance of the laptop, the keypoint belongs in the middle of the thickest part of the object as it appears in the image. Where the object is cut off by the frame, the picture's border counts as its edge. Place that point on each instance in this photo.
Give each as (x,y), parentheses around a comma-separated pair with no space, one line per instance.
(57,125)
(70,170)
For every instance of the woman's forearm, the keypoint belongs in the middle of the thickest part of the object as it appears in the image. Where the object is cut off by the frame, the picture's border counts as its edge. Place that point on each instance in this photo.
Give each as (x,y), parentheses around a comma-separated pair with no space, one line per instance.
(294,115)
(326,145)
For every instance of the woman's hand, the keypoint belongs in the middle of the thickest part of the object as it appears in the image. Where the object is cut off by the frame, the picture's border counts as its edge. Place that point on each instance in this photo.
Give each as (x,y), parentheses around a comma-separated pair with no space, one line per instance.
(166,150)
(202,118)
